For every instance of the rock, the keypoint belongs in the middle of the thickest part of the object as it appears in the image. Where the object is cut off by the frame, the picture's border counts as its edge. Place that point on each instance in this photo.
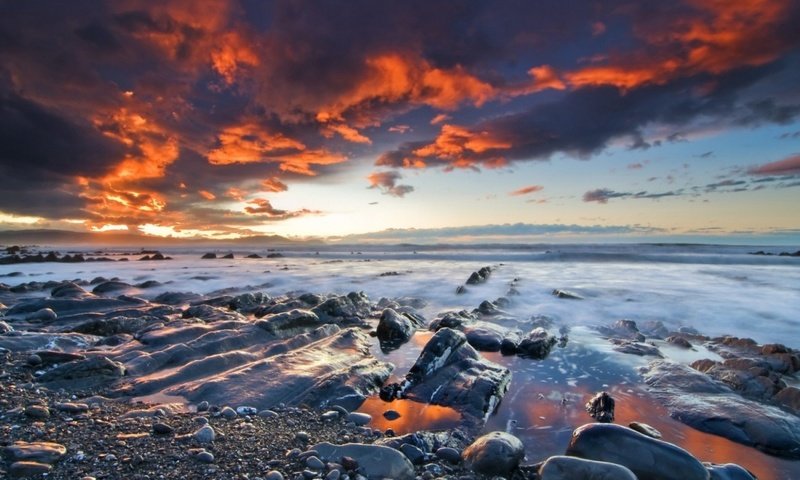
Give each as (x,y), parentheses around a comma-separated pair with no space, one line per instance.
(572,468)
(481,276)
(45,452)
(95,369)
(70,407)
(789,397)
(566,294)
(228,413)
(624,330)
(37,412)
(679,341)
(202,406)
(160,428)
(291,322)
(359,418)
(711,407)
(601,407)
(44,315)
(209,256)
(245,410)
(333,475)
(391,415)
(635,348)
(315,463)
(537,344)
(449,372)
(449,454)
(33,360)
(393,328)
(496,453)
(273,475)
(413,453)
(205,457)
(253,255)
(645,429)
(729,471)
(28,469)
(302,437)
(646,457)
(204,434)
(349,309)
(5,327)
(110,286)
(268,414)
(374,461)
(228,257)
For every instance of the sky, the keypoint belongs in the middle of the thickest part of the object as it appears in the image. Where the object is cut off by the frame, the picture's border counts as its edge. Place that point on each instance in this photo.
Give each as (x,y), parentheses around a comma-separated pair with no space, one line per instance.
(505,120)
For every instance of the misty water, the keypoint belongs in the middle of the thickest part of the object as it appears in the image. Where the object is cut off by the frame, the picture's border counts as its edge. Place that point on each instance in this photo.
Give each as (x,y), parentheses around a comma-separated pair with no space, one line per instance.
(716,290)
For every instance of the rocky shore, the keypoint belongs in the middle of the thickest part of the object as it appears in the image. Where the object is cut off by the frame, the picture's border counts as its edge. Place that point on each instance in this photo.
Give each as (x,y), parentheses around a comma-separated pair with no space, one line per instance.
(102,380)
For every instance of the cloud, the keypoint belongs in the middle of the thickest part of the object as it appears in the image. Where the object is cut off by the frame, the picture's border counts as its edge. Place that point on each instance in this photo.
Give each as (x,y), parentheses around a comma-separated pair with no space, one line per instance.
(526,190)
(603,195)
(635,166)
(263,209)
(273,184)
(787,166)
(387,183)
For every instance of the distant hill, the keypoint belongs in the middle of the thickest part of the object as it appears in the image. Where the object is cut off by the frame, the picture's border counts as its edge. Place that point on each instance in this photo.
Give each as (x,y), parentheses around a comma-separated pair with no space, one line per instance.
(72,238)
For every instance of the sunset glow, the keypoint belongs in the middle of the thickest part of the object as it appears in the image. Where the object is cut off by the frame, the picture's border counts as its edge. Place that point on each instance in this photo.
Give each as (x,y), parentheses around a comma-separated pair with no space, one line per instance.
(669,120)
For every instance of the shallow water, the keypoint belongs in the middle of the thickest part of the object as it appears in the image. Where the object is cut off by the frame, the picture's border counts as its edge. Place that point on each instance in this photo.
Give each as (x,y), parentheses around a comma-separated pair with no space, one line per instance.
(717,290)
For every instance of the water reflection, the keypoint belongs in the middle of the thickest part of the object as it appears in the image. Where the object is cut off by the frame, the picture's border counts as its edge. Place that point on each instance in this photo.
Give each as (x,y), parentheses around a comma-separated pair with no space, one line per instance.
(413,415)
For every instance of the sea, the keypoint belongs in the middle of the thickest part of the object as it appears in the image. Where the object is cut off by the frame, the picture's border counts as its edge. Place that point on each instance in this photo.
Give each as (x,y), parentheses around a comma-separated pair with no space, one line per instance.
(714,289)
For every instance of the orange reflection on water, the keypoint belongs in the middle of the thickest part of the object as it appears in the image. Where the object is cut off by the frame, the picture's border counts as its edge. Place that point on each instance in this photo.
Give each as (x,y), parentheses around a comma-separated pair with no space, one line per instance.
(413,415)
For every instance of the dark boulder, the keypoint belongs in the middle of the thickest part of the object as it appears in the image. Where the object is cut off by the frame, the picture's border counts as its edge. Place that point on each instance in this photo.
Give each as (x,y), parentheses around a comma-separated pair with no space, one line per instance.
(601,407)
(537,344)
(209,256)
(494,454)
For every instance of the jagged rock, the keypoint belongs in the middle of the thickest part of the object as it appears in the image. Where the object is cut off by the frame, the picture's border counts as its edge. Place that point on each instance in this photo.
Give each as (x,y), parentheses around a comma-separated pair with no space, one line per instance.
(394,329)
(496,453)
(601,407)
(351,308)
(623,329)
(375,461)
(709,406)
(566,294)
(646,457)
(572,468)
(449,372)
(249,302)
(537,344)
(636,348)
(207,313)
(454,320)
(481,276)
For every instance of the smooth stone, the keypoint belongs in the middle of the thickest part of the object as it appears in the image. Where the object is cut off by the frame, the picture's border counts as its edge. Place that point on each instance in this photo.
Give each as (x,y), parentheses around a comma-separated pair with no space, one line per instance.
(375,461)
(315,463)
(646,457)
(729,471)
(645,429)
(394,327)
(205,457)
(273,475)
(302,437)
(205,434)
(162,429)
(28,469)
(329,415)
(202,406)
(45,452)
(37,412)
(244,410)
(70,407)
(359,418)
(228,413)
(333,475)
(449,454)
(413,453)
(43,315)
(496,453)
(572,468)
(33,360)
(267,414)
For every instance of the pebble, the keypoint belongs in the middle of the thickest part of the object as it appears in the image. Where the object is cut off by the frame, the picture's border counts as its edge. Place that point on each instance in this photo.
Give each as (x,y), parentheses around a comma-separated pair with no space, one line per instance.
(202,406)
(391,414)
(267,414)
(359,418)
(301,437)
(228,413)
(315,463)
(37,412)
(204,434)
(200,420)
(162,429)
(342,411)
(449,454)
(244,410)
(110,458)
(273,475)
(72,407)
(333,475)
(309,474)
(205,457)
(330,415)
(28,469)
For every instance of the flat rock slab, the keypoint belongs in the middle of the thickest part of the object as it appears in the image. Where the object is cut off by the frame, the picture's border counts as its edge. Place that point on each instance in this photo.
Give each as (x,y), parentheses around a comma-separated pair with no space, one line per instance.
(698,401)
(43,452)
(646,457)
(67,342)
(336,369)
(374,461)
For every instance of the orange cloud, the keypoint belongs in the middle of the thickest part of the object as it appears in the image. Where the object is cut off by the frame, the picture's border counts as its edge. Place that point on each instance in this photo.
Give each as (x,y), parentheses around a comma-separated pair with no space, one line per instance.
(231,55)
(348,133)
(207,195)
(249,143)
(274,184)
(526,190)
(787,166)
(454,140)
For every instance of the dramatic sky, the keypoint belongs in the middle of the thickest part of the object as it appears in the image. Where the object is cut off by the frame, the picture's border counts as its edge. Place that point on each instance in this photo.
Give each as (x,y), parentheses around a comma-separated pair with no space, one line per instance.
(510,119)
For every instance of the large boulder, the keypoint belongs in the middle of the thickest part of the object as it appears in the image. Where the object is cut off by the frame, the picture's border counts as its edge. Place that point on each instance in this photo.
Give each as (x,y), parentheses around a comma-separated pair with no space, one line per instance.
(537,344)
(496,453)
(394,328)
(573,468)
(375,462)
(646,457)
